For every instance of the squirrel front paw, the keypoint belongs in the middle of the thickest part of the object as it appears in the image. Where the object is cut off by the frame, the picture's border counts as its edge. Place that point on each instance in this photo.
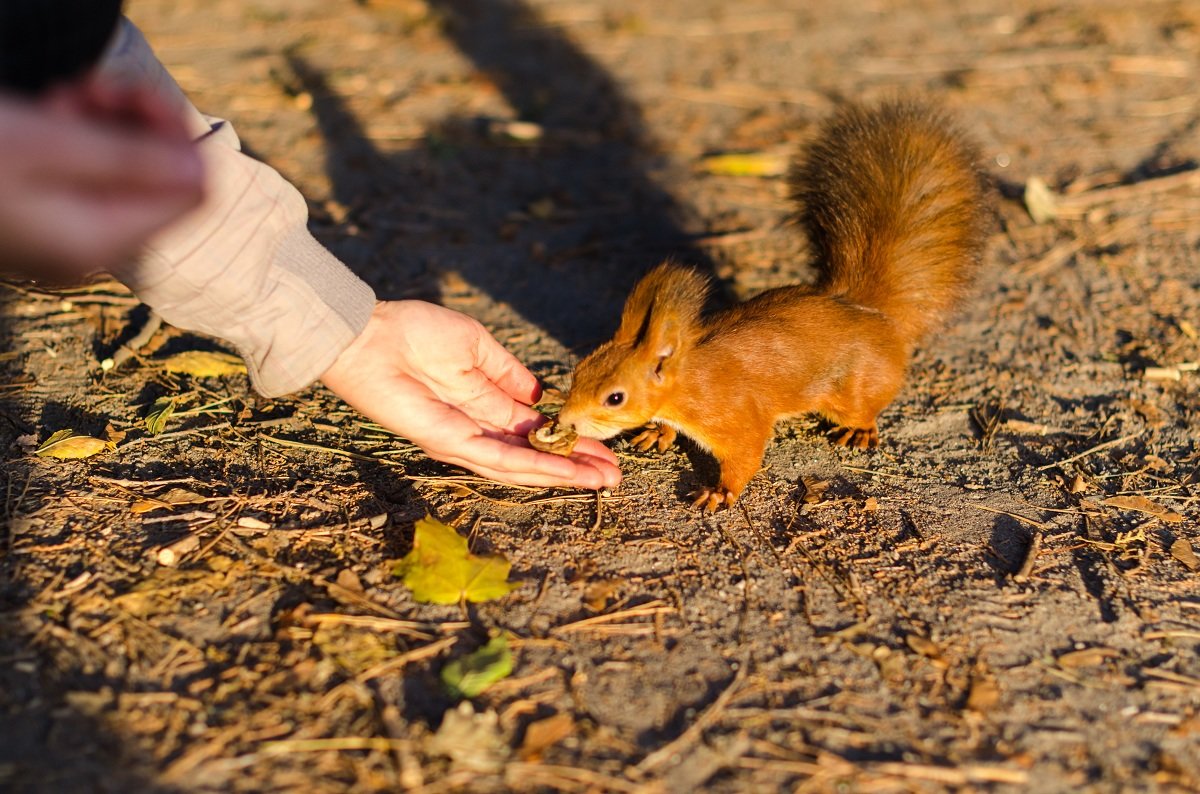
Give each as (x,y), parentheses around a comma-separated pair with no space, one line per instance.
(711,499)
(654,434)
(857,437)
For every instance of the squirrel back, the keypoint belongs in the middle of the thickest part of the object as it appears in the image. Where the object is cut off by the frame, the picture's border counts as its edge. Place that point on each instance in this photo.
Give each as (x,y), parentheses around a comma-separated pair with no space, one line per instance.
(895,206)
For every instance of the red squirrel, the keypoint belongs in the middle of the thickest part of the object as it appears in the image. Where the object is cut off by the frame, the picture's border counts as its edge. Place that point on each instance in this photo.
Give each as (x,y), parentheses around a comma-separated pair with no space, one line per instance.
(895,206)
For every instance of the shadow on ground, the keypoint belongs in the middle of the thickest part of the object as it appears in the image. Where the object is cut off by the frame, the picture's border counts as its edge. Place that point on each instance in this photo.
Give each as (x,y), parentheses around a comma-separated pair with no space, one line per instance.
(558,229)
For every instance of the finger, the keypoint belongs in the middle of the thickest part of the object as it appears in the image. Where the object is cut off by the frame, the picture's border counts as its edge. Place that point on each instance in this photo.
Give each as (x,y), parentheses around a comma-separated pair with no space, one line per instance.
(506,460)
(156,113)
(108,159)
(588,470)
(596,450)
(489,405)
(588,451)
(503,369)
(585,476)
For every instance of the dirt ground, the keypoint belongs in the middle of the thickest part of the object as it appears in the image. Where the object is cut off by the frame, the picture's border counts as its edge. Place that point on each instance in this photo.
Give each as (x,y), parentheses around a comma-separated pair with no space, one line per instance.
(1000,597)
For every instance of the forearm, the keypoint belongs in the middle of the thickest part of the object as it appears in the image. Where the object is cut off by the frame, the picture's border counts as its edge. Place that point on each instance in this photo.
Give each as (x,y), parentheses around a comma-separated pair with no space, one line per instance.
(243,266)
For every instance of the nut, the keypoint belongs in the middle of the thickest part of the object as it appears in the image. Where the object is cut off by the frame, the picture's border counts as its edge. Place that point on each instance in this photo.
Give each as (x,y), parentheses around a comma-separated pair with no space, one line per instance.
(554,438)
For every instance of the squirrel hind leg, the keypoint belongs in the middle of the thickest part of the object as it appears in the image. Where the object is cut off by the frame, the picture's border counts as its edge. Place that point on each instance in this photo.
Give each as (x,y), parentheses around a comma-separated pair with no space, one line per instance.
(857,437)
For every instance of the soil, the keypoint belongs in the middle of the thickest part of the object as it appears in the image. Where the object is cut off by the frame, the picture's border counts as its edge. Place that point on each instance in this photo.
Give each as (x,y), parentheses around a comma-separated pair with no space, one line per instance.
(1000,597)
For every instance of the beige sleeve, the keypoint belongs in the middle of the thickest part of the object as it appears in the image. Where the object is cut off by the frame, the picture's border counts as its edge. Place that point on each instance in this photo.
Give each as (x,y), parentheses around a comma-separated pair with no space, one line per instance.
(243,266)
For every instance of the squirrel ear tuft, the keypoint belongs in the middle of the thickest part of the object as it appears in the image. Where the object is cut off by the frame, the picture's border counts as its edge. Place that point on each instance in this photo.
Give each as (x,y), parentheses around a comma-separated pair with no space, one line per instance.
(663,309)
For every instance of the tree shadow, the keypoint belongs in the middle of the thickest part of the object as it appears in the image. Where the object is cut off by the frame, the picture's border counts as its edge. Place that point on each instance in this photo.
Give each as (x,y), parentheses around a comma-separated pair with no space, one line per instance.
(462,201)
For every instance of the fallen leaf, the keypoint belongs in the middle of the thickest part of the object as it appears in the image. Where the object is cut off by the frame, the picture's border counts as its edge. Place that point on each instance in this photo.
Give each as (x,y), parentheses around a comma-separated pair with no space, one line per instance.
(168,499)
(472,741)
(1151,413)
(814,489)
(181,496)
(204,363)
(349,579)
(766,164)
(923,645)
(66,444)
(551,400)
(983,695)
(1143,505)
(440,569)
(1182,550)
(468,676)
(597,593)
(160,412)
(543,734)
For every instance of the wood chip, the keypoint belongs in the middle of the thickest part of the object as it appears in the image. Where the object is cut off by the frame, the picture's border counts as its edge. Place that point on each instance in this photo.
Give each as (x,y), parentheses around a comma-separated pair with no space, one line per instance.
(1087,657)
(1162,373)
(543,734)
(169,556)
(1040,200)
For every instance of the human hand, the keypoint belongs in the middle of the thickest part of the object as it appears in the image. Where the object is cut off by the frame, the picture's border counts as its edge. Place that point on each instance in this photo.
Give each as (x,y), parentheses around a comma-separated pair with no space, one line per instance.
(439,379)
(87,174)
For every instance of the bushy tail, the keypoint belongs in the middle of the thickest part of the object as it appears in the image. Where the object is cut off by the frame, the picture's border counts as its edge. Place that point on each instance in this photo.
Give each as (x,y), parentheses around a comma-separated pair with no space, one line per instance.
(896,209)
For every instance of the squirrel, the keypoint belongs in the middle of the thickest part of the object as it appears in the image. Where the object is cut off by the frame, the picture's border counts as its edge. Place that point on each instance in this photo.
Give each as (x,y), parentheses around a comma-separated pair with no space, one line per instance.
(896,209)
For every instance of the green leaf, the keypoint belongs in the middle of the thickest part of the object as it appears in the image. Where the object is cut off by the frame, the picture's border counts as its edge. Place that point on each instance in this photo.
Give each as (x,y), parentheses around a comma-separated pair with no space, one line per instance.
(66,444)
(160,412)
(440,569)
(470,675)
(204,363)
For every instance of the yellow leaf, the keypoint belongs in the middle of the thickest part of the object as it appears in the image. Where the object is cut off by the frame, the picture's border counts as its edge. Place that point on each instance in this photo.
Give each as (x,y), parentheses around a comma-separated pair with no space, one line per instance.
(66,444)
(160,412)
(204,363)
(746,164)
(440,569)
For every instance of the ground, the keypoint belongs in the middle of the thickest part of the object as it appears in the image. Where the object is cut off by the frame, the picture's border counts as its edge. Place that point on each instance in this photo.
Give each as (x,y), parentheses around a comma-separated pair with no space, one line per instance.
(1000,597)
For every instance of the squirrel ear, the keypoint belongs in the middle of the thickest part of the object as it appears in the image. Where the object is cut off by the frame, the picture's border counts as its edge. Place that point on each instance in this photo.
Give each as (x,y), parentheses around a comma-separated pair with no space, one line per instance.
(664,358)
(664,302)
(664,338)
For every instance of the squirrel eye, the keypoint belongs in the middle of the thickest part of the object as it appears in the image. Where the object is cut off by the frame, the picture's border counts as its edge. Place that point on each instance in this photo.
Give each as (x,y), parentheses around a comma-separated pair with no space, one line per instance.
(615,399)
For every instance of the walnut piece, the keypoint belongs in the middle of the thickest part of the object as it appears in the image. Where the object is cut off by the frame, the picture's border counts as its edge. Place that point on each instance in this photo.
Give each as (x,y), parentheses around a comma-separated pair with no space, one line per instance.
(554,438)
